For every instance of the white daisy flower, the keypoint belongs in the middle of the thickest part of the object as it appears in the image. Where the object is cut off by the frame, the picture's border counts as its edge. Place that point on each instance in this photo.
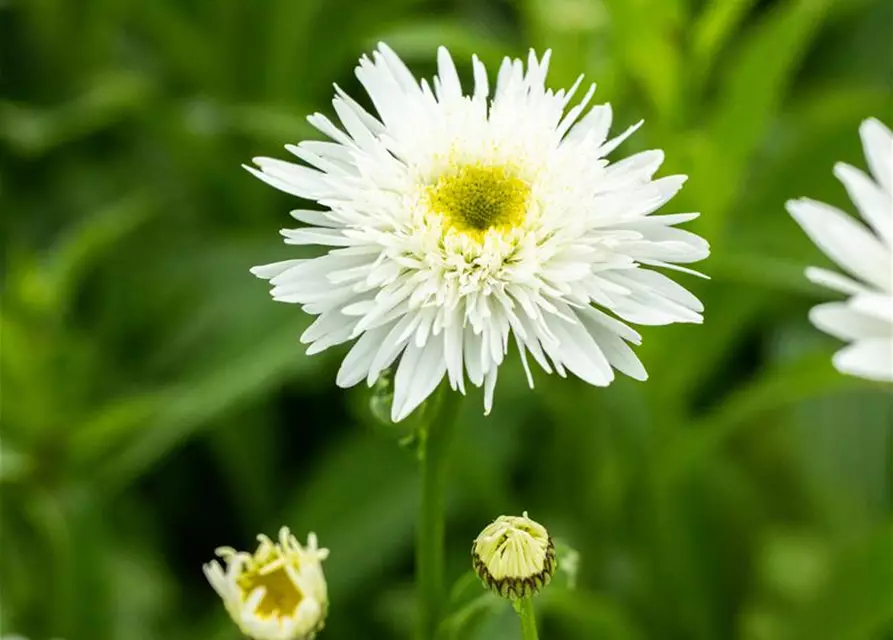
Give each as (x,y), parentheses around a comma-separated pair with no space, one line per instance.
(459,222)
(278,592)
(865,320)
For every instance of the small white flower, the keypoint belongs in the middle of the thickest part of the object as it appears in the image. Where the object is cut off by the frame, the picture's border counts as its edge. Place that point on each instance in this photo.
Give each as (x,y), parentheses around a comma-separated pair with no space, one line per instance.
(277,593)
(865,320)
(460,221)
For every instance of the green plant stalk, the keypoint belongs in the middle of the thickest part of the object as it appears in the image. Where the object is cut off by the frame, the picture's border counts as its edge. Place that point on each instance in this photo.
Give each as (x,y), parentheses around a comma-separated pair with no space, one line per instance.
(524,608)
(436,438)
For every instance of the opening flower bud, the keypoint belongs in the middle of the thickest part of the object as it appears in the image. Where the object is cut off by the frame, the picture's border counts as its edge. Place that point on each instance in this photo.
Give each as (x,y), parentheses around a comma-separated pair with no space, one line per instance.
(278,592)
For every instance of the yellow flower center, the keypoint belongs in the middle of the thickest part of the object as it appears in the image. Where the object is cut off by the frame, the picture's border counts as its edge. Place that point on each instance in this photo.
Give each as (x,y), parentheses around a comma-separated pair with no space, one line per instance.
(475,198)
(281,595)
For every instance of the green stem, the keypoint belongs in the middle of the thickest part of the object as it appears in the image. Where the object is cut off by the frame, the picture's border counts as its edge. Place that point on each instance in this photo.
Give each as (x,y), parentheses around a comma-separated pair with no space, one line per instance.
(436,437)
(524,607)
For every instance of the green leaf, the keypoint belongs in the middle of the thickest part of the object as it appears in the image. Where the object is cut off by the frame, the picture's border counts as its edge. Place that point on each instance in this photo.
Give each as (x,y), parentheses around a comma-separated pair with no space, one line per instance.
(590,615)
(83,245)
(361,500)
(750,95)
(467,620)
(644,33)
(14,464)
(101,433)
(806,378)
(712,30)
(415,41)
(470,604)
(856,602)
(106,100)
(193,405)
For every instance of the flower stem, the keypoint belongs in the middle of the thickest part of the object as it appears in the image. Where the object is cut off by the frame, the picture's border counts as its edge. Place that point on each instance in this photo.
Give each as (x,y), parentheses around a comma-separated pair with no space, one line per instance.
(436,438)
(524,607)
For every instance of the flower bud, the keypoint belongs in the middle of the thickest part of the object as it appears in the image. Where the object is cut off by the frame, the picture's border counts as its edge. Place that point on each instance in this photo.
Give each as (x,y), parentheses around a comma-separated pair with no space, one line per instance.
(278,592)
(514,557)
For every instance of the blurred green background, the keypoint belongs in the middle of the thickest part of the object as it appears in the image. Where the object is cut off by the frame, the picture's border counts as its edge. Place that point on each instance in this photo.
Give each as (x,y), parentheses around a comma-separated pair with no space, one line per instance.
(156,403)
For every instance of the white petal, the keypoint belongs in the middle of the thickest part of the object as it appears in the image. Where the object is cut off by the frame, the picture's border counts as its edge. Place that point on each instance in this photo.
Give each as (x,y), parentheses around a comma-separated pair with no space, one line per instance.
(316,235)
(876,305)
(654,300)
(473,356)
(301,179)
(331,328)
(618,352)
(875,204)
(448,87)
(664,286)
(355,366)
(316,218)
(595,126)
(309,609)
(326,126)
(613,325)
(871,359)
(268,271)
(301,190)
(844,240)
(390,348)
(632,206)
(370,122)
(613,143)
(316,268)
(399,69)
(668,220)
(385,92)
(418,374)
(636,169)
(481,84)
(322,163)
(568,121)
(577,350)
(842,321)
(489,389)
(877,141)
(358,127)
(452,348)
(834,281)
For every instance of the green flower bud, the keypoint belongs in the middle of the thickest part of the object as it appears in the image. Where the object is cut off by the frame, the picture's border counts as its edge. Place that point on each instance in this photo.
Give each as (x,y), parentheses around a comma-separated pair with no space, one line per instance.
(514,557)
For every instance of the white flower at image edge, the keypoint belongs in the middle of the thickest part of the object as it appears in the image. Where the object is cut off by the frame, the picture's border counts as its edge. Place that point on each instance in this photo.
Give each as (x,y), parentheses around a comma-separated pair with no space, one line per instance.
(865,320)
(458,222)
(278,592)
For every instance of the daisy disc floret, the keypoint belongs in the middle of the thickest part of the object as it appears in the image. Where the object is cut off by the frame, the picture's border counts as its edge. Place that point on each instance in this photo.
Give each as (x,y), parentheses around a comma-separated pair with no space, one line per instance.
(276,593)
(865,252)
(457,223)
(514,556)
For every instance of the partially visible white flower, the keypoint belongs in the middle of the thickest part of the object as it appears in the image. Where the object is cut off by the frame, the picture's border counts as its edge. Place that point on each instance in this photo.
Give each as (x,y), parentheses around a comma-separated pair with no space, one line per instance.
(865,320)
(276,593)
(460,222)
